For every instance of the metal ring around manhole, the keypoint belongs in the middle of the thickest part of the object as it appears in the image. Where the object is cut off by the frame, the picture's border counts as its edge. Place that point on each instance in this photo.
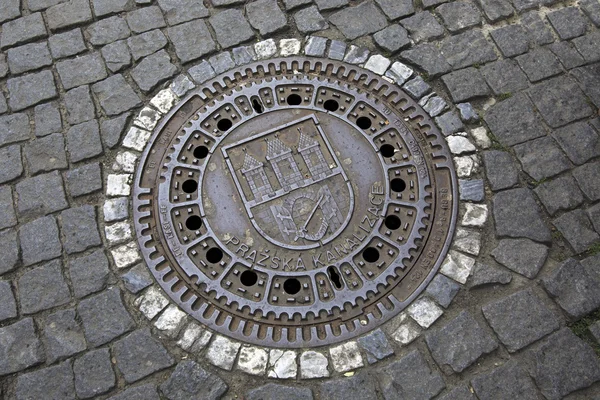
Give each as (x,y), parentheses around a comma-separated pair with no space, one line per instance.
(295,202)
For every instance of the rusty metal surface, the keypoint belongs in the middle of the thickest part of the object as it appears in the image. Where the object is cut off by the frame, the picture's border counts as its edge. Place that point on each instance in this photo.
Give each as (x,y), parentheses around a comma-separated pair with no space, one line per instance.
(295,202)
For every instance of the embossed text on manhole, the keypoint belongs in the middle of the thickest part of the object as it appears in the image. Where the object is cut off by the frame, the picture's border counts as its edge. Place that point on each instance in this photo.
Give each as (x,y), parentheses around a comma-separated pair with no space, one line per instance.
(295,202)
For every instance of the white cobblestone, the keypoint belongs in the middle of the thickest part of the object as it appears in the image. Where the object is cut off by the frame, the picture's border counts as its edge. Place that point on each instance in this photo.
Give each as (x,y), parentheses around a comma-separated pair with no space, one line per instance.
(171,321)
(253,360)
(475,215)
(265,49)
(346,357)
(125,162)
(136,139)
(126,255)
(222,352)
(313,365)
(424,311)
(147,118)
(466,165)
(151,302)
(118,233)
(481,137)
(399,73)
(164,100)
(189,336)
(457,266)
(289,47)
(181,85)
(202,341)
(467,241)
(118,185)
(460,145)
(282,364)
(116,209)
(378,64)
(406,333)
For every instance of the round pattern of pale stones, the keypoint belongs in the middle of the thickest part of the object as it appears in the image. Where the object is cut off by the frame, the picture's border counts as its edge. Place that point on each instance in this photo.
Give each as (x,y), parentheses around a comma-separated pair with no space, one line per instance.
(227,353)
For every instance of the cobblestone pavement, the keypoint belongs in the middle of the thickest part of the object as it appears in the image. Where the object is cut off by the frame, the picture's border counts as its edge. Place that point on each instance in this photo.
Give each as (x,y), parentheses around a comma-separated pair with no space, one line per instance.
(520,77)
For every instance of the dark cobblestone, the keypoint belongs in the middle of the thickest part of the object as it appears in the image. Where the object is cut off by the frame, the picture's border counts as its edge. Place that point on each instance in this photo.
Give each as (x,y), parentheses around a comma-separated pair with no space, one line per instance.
(460,342)
(465,84)
(192,40)
(7,299)
(392,38)
(559,194)
(459,15)
(89,274)
(43,287)
(542,158)
(66,44)
(10,251)
(579,142)
(496,10)
(442,290)
(427,57)
(521,255)
(190,380)
(471,189)
(84,180)
(504,77)
(484,274)
(539,64)
(145,19)
(360,20)
(337,49)
(93,374)
(273,391)
(586,177)
(594,215)
(41,195)
(28,57)
(142,392)
(361,386)
(139,355)
(46,154)
(153,70)
(82,70)
(423,26)
(376,346)
(587,79)
(513,120)
(449,123)
(309,20)
(516,215)
(68,14)
(20,347)
(567,54)
(137,278)
(47,119)
(63,335)
(22,30)
(29,90)
(592,9)
(115,95)
(512,40)
(411,376)
(79,105)
(540,32)
(577,229)
(563,364)
(231,28)
(506,382)
(11,163)
(39,242)
(83,141)
(116,55)
(105,318)
(568,22)
(459,393)
(178,11)
(8,217)
(466,49)
(588,46)
(150,42)
(528,321)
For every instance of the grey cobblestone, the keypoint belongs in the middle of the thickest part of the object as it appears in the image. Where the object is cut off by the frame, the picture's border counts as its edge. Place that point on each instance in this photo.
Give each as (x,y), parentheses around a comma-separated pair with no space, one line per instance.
(504,77)
(54,382)
(83,141)
(178,11)
(116,95)
(392,38)
(89,274)
(190,380)
(104,317)
(579,142)
(46,154)
(423,26)
(273,391)
(29,90)
(536,27)
(309,20)
(359,386)
(153,70)
(148,43)
(66,44)
(568,22)
(468,48)
(84,180)
(9,9)
(465,84)
(20,347)
(584,176)
(80,229)
(43,287)
(10,250)
(266,16)
(22,30)
(141,392)
(79,105)
(93,374)
(107,7)
(68,14)
(516,215)
(567,54)
(40,195)
(508,381)
(107,31)
(539,64)
(116,55)
(541,158)
(496,10)
(459,15)
(47,119)
(8,217)
(411,376)
(592,9)
(192,40)
(396,9)
(28,57)
(145,19)
(577,229)
(7,299)
(39,242)
(14,128)
(63,336)
(360,20)
(81,71)
(231,28)
(137,278)
(512,40)
(513,120)
(11,163)
(559,194)
(521,255)
(427,57)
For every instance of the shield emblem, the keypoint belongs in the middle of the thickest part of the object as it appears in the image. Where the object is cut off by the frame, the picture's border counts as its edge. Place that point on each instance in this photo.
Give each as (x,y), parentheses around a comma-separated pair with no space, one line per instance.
(292,184)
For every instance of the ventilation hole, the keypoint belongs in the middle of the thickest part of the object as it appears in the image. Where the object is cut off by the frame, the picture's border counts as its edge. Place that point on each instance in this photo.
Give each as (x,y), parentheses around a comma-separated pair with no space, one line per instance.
(392,222)
(291,286)
(398,185)
(335,277)
(331,105)
(257,105)
(363,123)
(387,150)
(189,186)
(214,255)
(201,152)
(193,222)
(294,99)
(224,124)
(371,254)
(249,278)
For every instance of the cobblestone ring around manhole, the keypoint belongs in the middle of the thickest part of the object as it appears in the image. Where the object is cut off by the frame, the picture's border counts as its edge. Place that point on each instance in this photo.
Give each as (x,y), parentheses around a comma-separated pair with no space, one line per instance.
(295,202)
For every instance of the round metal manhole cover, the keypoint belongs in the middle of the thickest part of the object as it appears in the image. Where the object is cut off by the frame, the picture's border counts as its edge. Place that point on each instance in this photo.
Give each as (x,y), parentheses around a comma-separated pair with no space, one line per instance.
(295,202)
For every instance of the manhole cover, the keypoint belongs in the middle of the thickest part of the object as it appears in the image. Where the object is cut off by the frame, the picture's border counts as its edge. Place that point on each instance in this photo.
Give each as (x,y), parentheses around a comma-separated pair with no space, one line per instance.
(295,202)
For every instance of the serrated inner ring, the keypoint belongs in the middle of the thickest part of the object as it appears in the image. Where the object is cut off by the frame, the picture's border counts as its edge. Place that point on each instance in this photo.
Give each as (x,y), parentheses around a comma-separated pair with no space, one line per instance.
(295,202)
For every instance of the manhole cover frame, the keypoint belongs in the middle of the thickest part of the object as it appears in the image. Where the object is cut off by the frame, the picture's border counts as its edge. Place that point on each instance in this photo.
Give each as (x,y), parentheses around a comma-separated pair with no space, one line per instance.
(359,328)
